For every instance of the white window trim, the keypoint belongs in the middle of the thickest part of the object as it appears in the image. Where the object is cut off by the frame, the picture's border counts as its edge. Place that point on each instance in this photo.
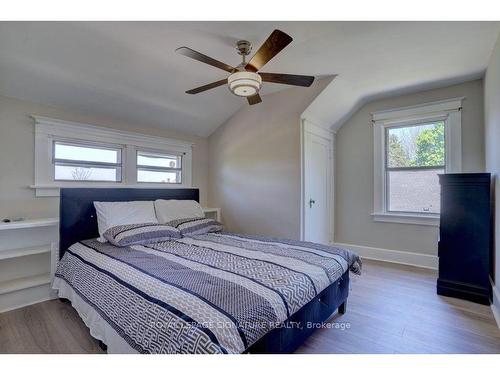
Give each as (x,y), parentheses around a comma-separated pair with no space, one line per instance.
(159,168)
(90,144)
(48,130)
(448,110)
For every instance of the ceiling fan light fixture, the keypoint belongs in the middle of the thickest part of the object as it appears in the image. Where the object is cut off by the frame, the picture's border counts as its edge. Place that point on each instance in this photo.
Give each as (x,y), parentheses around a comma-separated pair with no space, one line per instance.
(244,83)
(244,80)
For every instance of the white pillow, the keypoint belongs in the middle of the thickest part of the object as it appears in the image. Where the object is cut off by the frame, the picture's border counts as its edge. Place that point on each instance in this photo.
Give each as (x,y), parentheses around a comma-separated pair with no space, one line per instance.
(111,214)
(172,209)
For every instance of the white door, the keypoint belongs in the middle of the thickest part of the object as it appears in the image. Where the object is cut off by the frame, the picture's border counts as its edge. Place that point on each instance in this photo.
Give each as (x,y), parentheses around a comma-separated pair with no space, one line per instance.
(317,188)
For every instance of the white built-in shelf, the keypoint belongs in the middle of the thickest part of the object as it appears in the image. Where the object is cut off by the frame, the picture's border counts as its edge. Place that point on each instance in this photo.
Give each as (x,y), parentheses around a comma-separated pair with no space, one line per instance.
(30,223)
(22,245)
(24,283)
(15,253)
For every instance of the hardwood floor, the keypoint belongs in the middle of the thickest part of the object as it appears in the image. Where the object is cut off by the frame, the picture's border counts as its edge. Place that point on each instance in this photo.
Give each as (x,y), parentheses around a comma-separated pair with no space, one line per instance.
(47,327)
(391,309)
(395,309)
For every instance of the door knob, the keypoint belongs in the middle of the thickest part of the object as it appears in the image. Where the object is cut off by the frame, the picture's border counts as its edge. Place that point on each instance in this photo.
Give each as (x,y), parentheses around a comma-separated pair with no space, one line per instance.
(311,202)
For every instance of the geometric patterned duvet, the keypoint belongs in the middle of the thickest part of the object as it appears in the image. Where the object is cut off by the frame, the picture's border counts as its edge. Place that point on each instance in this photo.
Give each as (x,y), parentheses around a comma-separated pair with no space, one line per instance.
(210,293)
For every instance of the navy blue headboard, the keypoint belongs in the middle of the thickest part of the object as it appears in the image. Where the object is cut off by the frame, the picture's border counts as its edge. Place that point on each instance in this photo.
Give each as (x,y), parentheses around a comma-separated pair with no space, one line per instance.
(77,216)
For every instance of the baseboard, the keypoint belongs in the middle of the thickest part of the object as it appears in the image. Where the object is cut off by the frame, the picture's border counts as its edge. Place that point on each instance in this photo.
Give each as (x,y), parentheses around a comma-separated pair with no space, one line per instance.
(393,256)
(495,305)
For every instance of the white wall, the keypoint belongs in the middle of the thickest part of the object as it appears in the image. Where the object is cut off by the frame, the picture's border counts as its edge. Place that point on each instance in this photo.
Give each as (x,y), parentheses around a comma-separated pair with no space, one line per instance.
(255,164)
(492,150)
(17,156)
(354,171)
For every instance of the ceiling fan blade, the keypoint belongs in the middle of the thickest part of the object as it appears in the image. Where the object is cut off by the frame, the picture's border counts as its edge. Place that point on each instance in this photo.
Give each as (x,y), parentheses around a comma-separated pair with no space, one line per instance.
(271,47)
(288,79)
(254,99)
(186,51)
(212,85)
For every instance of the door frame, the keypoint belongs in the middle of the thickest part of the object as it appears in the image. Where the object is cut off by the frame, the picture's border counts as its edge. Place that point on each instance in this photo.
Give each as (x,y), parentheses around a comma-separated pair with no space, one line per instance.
(311,127)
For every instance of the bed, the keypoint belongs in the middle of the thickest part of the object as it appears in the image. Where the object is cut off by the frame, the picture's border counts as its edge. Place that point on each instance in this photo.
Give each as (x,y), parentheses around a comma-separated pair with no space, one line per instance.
(204,293)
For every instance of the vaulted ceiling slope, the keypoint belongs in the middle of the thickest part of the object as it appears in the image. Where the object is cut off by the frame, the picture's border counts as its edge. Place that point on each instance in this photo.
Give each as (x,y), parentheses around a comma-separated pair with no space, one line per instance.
(129,70)
(380,59)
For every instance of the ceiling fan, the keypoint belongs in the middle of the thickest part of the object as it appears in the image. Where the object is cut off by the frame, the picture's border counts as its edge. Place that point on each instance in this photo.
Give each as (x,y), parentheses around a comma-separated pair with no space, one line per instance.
(245,80)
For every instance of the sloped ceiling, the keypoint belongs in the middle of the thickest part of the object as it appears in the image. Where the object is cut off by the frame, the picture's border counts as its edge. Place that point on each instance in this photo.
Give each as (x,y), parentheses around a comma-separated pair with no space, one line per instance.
(129,70)
(389,58)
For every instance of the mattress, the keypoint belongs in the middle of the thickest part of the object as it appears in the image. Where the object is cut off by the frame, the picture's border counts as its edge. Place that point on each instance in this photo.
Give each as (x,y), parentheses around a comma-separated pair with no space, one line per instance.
(210,293)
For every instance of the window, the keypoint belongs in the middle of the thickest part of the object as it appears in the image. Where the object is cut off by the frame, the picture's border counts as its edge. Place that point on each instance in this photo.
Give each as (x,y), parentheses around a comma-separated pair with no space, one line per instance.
(415,155)
(159,168)
(412,146)
(69,154)
(82,162)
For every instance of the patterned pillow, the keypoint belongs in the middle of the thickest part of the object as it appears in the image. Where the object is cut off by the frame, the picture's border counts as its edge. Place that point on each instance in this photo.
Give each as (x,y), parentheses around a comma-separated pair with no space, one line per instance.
(196,225)
(140,234)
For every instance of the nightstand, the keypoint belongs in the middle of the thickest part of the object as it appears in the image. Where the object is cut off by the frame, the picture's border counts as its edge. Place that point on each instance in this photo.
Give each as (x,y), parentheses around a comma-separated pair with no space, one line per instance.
(212,213)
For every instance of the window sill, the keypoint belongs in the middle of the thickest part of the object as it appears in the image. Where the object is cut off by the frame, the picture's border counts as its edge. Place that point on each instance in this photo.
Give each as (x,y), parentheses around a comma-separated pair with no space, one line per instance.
(429,220)
(52,190)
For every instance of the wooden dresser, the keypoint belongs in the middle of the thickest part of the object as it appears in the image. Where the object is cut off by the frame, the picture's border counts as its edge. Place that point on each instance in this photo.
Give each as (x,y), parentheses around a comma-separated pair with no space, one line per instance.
(465,236)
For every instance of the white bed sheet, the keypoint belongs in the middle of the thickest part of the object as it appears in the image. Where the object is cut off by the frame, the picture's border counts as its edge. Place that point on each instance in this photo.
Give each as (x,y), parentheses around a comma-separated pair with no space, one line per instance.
(99,328)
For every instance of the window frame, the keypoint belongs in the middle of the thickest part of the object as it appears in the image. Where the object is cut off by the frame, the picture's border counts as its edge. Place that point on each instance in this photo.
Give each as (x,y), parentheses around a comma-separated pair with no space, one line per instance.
(49,130)
(84,164)
(158,169)
(388,169)
(448,111)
